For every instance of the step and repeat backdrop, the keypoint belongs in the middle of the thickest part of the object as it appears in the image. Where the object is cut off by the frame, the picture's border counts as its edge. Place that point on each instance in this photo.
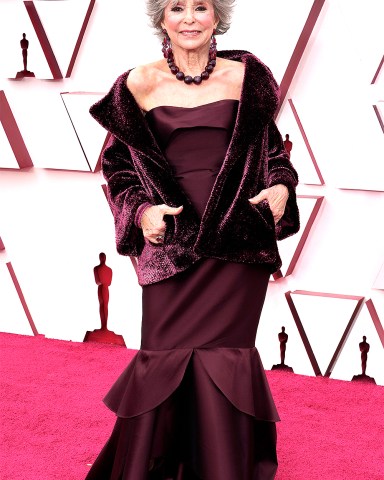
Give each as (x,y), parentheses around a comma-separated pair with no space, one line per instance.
(59,57)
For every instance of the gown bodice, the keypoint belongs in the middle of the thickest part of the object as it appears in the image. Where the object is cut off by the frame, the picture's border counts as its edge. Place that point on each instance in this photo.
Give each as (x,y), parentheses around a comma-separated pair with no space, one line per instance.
(195,141)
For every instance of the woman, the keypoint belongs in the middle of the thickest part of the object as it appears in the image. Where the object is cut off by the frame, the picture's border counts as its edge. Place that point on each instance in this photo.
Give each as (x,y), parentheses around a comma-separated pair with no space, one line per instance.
(201,188)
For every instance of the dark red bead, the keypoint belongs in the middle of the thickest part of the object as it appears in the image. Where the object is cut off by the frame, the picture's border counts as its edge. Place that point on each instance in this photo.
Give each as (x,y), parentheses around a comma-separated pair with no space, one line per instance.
(188,79)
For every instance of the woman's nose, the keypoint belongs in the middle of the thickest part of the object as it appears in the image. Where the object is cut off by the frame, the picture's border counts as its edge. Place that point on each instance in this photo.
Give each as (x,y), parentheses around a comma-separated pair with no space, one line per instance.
(189,16)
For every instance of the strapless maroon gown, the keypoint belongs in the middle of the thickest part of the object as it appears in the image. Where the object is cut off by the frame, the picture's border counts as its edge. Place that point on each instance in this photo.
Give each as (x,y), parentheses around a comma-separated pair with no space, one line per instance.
(194,403)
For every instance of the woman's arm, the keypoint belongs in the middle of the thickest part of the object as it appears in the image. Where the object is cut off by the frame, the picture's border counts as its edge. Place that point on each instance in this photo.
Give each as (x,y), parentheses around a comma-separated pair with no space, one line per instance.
(280,169)
(125,192)
(282,180)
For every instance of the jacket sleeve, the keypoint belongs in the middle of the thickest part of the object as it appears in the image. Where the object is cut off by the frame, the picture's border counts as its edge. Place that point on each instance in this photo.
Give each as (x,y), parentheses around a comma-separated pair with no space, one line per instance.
(125,193)
(281,171)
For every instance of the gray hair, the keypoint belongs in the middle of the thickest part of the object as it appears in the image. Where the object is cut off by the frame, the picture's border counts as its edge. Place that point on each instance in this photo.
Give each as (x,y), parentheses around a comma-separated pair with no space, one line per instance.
(223,10)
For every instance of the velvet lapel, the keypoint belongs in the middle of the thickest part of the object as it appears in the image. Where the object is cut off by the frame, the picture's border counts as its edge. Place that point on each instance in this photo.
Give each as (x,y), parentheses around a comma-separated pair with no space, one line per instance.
(258,102)
(259,96)
(119,113)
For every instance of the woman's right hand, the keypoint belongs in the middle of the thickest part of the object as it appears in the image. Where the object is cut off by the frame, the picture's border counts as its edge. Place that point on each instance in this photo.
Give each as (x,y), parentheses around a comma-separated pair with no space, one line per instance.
(152,222)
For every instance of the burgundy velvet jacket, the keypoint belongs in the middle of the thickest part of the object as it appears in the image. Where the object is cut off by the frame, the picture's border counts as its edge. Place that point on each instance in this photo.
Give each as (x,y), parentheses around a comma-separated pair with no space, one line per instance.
(231,228)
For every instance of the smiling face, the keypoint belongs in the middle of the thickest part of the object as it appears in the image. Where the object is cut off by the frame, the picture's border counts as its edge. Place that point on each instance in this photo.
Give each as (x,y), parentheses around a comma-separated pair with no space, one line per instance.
(189,23)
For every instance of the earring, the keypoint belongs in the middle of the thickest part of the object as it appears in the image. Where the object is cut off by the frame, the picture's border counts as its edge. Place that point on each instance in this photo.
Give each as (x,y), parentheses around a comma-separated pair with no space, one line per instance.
(167,47)
(213,49)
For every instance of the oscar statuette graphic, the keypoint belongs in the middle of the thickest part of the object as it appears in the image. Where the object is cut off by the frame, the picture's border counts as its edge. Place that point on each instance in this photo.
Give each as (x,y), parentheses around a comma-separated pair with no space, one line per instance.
(103,279)
(364,349)
(288,144)
(24,44)
(283,339)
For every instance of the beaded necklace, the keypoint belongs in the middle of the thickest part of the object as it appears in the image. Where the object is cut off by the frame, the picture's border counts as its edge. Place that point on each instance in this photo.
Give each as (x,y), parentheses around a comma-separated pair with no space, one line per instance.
(188,79)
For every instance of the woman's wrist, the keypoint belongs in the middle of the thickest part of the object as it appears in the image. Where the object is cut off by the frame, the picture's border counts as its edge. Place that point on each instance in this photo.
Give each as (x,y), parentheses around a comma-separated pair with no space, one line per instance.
(282,188)
(140,212)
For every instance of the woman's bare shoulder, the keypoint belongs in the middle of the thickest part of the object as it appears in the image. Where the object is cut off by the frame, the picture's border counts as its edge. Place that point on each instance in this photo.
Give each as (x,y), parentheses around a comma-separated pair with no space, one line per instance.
(231,74)
(142,79)
(233,68)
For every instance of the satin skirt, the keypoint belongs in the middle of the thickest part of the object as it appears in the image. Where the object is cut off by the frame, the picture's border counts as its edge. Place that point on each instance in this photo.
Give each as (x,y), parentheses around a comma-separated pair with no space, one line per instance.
(194,403)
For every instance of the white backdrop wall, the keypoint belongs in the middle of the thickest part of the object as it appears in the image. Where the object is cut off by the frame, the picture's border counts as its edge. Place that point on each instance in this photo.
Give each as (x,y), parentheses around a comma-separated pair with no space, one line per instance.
(54,219)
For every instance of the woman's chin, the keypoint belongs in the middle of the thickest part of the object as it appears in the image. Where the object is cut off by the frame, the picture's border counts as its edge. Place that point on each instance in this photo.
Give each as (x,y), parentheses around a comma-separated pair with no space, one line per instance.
(192,43)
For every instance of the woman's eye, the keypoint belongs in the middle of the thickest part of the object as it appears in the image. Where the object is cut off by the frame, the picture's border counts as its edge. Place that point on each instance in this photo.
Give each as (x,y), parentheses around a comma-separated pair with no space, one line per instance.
(200,8)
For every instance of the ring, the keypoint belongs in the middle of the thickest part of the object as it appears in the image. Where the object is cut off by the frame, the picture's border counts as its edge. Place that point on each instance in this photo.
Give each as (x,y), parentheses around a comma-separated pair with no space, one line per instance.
(159,238)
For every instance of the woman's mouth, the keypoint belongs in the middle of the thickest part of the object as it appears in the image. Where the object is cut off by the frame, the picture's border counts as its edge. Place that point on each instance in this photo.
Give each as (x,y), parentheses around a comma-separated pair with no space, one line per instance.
(190,33)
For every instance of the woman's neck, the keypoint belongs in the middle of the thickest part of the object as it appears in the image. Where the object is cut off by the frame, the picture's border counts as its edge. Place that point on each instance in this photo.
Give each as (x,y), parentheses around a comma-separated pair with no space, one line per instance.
(191,62)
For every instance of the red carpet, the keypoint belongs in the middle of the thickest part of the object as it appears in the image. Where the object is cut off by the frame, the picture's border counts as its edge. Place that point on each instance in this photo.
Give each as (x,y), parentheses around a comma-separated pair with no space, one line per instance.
(53,422)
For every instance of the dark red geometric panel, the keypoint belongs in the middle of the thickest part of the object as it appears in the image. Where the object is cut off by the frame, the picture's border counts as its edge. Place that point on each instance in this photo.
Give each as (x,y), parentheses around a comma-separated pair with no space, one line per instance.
(377,73)
(315,365)
(90,135)
(22,299)
(301,45)
(13,133)
(43,39)
(379,108)
(80,38)
(379,116)
(305,138)
(376,320)
(303,335)
(45,44)
(11,271)
(305,232)
(104,187)
(300,239)
(98,164)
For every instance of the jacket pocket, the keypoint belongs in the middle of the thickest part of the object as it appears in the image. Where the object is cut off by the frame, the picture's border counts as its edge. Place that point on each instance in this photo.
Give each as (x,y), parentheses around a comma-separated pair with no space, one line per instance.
(264,213)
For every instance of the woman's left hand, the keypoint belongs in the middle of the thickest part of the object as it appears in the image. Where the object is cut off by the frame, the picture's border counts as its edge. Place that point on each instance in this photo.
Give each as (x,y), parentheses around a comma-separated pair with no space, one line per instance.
(276,196)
